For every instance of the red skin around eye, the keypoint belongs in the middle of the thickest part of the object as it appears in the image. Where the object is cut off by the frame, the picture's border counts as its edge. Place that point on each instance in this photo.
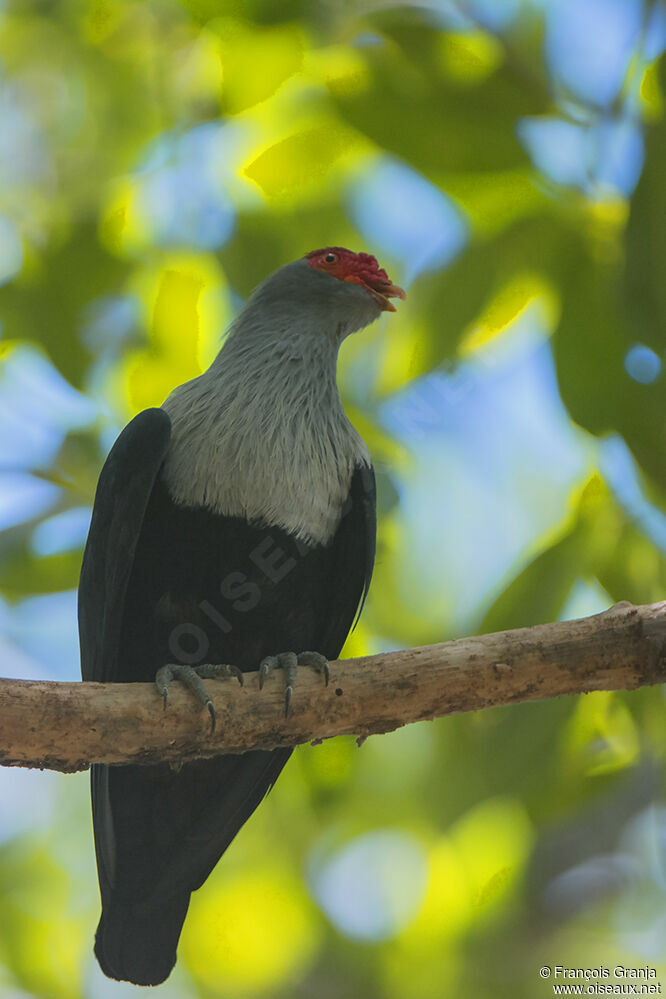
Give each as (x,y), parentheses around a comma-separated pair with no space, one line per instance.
(357,268)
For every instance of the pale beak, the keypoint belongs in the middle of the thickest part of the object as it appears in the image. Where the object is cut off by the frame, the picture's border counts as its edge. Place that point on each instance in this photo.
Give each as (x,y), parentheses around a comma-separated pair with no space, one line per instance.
(384,292)
(381,291)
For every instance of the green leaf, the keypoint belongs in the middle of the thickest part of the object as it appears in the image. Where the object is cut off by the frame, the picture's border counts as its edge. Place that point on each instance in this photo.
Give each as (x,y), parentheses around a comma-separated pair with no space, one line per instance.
(46,303)
(644,285)
(599,542)
(408,101)
(22,574)
(452,299)
(590,345)
(539,592)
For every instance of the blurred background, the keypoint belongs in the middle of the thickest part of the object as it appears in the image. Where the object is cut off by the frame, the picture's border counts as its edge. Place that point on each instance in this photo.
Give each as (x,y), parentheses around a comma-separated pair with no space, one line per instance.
(506,161)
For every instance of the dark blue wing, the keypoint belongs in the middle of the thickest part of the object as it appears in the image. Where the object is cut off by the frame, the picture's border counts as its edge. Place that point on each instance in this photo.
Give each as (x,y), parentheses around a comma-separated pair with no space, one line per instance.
(354,558)
(123,492)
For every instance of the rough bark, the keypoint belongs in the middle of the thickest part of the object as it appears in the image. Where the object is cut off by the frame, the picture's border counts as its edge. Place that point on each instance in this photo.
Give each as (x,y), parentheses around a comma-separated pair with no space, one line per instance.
(68,726)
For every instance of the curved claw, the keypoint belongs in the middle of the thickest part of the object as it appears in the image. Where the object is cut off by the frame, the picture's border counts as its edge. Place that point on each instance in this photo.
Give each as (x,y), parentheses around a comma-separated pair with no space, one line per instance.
(290,662)
(163,678)
(318,662)
(192,677)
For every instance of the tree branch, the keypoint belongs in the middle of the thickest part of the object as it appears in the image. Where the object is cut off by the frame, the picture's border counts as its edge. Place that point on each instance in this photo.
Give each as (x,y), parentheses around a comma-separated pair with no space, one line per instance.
(68,726)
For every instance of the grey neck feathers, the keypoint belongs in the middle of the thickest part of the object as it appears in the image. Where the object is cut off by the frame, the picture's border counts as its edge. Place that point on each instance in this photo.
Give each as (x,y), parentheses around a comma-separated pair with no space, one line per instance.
(263,435)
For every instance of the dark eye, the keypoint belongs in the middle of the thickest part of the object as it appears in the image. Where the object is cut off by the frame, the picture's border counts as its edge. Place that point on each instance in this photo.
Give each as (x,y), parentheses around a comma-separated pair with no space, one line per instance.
(330,258)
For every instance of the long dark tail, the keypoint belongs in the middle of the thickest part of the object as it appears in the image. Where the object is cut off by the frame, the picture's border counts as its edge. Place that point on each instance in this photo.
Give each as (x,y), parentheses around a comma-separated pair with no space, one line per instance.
(139,948)
(158,835)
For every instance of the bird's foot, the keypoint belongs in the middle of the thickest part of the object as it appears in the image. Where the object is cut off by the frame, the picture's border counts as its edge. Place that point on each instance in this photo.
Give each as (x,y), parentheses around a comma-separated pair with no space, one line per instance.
(192,677)
(289,662)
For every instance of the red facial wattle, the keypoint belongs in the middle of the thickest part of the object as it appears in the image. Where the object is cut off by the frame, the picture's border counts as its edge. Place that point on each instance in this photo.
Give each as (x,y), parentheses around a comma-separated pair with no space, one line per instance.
(357,268)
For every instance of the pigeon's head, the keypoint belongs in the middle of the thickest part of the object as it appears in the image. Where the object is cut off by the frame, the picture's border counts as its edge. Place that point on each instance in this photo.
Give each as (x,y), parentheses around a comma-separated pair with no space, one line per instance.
(331,291)
(359,269)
